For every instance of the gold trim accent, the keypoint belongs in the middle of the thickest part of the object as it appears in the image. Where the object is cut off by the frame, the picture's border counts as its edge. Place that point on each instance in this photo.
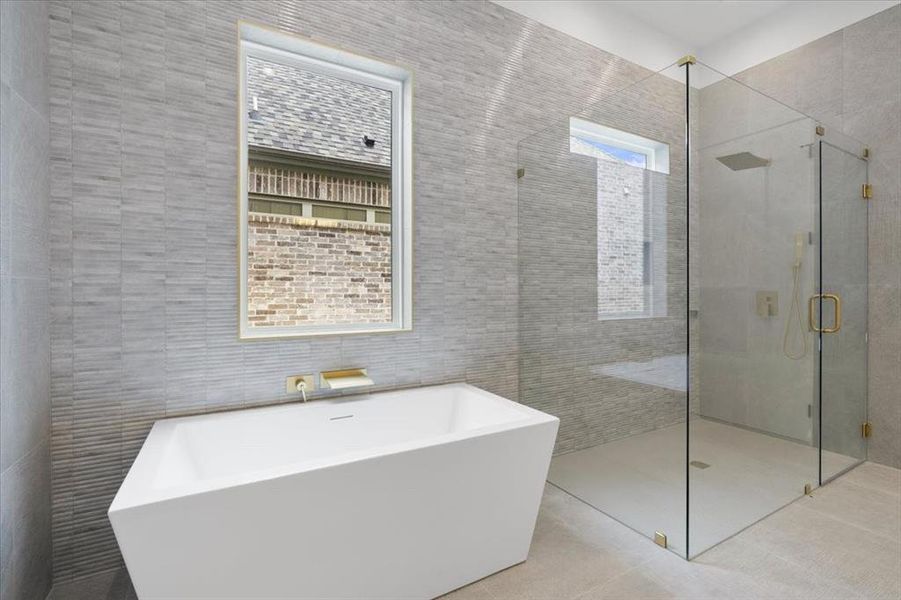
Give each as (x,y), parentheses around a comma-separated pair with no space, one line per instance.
(660,539)
(807,489)
(865,154)
(292,381)
(811,324)
(837,323)
(688,59)
(820,130)
(520,172)
(837,319)
(866,429)
(344,378)
(866,191)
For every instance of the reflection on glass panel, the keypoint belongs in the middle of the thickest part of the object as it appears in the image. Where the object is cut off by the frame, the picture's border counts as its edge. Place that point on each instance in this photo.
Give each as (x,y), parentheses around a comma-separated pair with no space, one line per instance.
(319,165)
(602,246)
(631,226)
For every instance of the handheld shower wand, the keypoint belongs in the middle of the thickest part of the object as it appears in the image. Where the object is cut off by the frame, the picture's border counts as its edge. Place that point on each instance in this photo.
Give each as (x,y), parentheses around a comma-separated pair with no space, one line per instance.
(795,308)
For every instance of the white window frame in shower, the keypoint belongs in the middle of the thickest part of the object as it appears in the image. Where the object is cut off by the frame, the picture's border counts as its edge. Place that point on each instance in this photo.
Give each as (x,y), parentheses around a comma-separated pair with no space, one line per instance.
(272,45)
(656,159)
(657,153)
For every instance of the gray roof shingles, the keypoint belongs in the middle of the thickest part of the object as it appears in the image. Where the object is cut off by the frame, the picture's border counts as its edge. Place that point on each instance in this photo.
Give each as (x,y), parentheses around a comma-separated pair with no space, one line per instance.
(317,115)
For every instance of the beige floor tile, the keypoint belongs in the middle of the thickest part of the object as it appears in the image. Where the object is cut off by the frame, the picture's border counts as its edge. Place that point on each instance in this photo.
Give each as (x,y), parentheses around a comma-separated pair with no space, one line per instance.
(749,569)
(824,548)
(870,508)
(575,548)
(737,570)
(876,476)
(662,577)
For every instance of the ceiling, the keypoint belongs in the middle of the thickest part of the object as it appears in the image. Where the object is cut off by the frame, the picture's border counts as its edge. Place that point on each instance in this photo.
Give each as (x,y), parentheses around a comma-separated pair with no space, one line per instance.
(728,35)
(698,23)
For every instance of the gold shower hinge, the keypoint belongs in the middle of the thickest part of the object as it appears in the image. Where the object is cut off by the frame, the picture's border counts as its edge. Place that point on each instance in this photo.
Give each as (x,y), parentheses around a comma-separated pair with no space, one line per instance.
(820,130)
(688,59)
(520,173)
(866,191)
(866,429)
(660,539)
(807,489)
(865,154)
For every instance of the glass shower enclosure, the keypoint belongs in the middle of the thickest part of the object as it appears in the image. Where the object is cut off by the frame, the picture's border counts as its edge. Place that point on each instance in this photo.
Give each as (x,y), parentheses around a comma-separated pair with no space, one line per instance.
(693,303)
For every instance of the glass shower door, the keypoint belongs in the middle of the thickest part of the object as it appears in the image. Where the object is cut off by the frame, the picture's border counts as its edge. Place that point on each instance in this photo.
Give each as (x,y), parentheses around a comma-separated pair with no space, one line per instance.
(838,312)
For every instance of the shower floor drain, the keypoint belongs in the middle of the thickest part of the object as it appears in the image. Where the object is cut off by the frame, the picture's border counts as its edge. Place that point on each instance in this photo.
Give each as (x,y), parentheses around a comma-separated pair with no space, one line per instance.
(699,464)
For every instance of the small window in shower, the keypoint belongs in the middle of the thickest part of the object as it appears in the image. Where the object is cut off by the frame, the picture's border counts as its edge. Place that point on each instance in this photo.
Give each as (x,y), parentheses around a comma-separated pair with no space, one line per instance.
(631,219)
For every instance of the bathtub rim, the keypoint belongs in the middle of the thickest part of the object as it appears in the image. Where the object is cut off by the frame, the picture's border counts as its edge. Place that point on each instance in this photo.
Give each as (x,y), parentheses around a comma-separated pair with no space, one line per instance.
(136,490)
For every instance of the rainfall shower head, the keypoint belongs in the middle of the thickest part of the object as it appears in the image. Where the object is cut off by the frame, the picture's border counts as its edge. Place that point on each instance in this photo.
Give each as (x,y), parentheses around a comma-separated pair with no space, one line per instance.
(742,161)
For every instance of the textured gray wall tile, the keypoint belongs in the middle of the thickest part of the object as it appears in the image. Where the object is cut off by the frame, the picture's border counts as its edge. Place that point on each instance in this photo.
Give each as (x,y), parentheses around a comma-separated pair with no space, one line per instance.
(566,350)
(25,511)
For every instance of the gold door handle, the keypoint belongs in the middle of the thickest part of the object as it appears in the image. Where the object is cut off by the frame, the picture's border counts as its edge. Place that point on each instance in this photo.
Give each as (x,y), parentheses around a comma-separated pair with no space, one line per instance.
(837,313)
(837,308)
(811,322)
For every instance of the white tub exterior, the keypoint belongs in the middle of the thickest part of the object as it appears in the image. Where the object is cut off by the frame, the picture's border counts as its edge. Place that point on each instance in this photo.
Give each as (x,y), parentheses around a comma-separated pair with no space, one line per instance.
(406,494)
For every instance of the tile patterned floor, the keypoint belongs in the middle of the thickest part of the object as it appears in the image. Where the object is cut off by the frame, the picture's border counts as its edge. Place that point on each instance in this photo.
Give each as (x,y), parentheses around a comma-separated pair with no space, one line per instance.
(842,542)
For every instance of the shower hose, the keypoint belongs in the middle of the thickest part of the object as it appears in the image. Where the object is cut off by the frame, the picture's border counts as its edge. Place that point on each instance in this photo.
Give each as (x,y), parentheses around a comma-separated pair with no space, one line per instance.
(795,311)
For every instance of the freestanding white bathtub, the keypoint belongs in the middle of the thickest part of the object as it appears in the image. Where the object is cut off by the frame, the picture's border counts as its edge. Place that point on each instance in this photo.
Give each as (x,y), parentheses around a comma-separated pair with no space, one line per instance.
(394,495)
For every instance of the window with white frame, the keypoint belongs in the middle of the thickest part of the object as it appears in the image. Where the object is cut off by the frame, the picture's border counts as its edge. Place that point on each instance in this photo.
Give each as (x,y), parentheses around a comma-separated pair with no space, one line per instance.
(631,219)
(325,189)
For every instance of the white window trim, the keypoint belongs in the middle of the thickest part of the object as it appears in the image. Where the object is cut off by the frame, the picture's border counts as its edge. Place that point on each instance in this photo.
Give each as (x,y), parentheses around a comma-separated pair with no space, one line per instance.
(272,45)
(656,152)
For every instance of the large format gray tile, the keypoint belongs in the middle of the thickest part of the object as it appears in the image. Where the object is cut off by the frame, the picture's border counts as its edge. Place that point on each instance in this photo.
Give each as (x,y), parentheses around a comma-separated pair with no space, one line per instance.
(851,80)
(25,526)
(25,363)
(25,507)
(23,56)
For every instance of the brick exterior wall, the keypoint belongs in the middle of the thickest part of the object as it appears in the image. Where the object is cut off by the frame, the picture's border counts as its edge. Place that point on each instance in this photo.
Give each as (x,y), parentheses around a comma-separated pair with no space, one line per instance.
(631,210)
(302,270)
(621,238)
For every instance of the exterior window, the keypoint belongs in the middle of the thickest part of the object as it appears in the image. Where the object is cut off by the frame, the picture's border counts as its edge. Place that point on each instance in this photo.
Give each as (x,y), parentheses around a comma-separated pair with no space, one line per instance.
(276,208)
(631,219)
(630,157)
(336,212)
(325,190)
